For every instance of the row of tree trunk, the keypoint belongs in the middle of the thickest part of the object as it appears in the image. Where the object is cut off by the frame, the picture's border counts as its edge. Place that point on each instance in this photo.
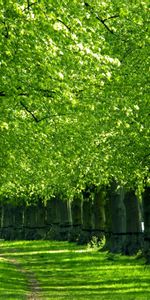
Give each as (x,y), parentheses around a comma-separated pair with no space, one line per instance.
(112,213)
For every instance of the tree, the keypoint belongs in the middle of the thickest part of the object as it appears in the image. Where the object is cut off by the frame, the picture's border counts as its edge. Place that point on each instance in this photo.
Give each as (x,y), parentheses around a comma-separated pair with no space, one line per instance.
(74,96)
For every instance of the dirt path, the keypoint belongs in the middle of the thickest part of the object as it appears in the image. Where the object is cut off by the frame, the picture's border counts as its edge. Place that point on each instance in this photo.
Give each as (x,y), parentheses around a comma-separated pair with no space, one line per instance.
(34,288)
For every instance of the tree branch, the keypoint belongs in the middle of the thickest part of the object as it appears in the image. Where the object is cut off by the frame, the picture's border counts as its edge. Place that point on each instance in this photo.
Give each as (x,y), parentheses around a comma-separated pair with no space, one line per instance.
(47,93)
(111,17)
(44,118)
(103,22)
(64,24)
(29,111)
(100,19)
(29,5)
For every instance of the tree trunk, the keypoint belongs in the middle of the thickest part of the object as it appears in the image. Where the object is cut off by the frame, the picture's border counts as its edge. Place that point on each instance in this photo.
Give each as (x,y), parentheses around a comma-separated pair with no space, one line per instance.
(30,222)
(108,224)
(18,222)
(65,220)
(40,221)
(1,220)
(133,224)
(99,214)
(118,219)
(146,210)
(7,221)
(86,233)
(53,219)
(76,214)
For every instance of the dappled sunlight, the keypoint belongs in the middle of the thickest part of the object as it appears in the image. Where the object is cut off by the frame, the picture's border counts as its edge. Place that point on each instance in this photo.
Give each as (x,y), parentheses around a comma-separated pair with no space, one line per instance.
(13,285)
(80,273)
(13,253)
(30,247)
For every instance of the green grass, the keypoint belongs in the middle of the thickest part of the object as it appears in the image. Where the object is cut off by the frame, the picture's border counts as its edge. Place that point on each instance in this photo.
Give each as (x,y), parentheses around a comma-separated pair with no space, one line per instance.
(69,272)
(13,285)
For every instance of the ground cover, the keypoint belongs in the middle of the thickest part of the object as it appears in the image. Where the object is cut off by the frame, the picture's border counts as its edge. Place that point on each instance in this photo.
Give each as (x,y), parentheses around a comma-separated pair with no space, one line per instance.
(64,271)
(13,283)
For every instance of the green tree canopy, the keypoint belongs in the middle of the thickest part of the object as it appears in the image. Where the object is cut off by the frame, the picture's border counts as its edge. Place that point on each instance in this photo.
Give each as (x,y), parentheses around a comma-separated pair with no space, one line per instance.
(74,95)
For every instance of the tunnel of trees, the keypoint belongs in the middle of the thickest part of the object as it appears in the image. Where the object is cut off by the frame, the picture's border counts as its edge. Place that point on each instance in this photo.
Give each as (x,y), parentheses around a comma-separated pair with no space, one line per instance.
(75,122)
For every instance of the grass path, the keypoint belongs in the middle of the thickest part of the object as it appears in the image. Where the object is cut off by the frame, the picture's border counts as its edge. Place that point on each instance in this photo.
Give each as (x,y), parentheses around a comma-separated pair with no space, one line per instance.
(61,271)
(33,286)
(13,283)
(32,283)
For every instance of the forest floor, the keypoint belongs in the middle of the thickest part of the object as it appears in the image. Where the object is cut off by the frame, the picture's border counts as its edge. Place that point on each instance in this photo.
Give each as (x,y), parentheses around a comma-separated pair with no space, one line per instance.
(64,271)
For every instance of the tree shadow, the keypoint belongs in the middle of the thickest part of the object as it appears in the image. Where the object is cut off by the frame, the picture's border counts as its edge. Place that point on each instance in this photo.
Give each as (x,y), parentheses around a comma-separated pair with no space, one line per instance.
(72,273)
(13,285)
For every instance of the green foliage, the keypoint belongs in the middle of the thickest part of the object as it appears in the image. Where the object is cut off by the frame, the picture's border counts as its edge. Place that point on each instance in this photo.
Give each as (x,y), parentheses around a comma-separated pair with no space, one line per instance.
(74,95)
(96,244)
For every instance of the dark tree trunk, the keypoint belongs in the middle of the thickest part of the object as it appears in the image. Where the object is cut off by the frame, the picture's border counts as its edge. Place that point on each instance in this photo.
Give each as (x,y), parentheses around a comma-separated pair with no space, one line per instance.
(133,224)
(108,224)
(1,219)
(30,222)
(99,214)
(76,214)
(86,233)
(146,210)
(65,220)
(7,231)
(18,222)
(53,219)
(40,221)
(118,219)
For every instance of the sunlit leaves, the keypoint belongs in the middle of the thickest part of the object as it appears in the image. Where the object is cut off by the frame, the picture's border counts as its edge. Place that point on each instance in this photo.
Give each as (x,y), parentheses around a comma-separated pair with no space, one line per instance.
(74,95)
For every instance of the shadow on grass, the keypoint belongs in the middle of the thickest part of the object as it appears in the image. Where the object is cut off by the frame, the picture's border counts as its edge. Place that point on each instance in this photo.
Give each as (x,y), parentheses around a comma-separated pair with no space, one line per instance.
(13,285)
(69,272)
(29,246)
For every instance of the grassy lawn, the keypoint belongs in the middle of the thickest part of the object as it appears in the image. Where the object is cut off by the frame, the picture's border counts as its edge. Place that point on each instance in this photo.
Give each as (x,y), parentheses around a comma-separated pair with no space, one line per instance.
(68,272)
(13,285)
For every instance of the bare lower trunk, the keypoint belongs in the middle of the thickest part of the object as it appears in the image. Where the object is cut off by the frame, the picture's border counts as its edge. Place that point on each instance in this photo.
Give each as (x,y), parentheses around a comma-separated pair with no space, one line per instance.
(108,224)
(99,214)
(76,214)
(7,222)
(117,221)
(29,222)
(65,220)
(146,210)
(18,222)
(86,233)
(133,224)
(40,220)
(1,219)
(53,219)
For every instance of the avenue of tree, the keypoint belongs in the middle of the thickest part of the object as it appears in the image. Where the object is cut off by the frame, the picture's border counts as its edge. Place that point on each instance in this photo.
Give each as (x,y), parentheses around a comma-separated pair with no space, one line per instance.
(74,100)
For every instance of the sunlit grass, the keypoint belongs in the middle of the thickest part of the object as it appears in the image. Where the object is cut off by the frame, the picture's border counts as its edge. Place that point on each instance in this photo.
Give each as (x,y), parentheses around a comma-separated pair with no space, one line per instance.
(70,272)
(13,284)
